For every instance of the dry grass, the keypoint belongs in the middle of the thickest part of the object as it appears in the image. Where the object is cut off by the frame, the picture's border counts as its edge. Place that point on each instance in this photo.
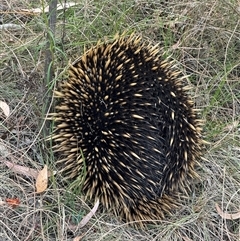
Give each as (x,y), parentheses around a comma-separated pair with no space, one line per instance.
(203,37)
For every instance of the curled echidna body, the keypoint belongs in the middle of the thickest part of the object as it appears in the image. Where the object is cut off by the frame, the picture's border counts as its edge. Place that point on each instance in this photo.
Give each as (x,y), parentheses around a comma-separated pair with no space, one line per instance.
(127,111)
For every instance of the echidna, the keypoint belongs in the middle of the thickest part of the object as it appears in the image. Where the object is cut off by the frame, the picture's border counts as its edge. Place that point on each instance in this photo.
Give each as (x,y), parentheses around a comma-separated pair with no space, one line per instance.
(124,116)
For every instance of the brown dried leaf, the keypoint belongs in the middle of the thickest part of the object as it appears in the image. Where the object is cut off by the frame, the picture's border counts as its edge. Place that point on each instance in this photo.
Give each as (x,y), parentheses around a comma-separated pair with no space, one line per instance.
(30,172)
(86,219)
(78,238)
(225,215)
(42,180)
(13,202)
(5,108)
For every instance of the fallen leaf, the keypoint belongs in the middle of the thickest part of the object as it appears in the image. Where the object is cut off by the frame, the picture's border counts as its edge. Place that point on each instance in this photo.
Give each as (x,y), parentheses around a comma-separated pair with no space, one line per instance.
(78,238)
(13,202)
(30,172)
(5,108)
(42,180)
(86,219)
(225,215)
(176,45)
(27,171)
